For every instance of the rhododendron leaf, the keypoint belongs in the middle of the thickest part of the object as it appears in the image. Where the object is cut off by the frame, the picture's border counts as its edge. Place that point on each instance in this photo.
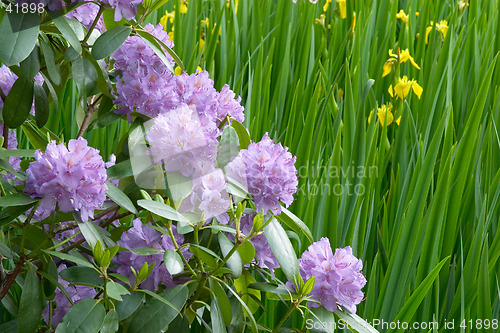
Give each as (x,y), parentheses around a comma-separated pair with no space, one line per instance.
(173,262)
(65,256)
(115,290)
(120,198)
(225,305)
(228,147)
(18,103)
(243,136)
(216,316)
(42,108)
(110,41)
(82,275)
(85,77)
(282,248)
(31,65)
(67,29)
(86,315)
(234,262)
(16,199)
(30,304)
(247,252)
(162,210)
(159,310)
(111,322)
(129,305)
(18,36)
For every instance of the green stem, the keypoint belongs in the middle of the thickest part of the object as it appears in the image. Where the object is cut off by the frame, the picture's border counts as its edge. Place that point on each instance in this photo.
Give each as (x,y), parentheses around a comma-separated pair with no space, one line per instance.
(96,20)
(287,314)
(178,250)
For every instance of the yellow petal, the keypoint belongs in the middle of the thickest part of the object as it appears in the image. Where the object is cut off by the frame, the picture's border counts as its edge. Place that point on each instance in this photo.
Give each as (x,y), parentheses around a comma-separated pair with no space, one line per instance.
(398,120)
(342,8)
(417,89)
(414,63)
(198,69)
(353,23)
(385,116)
(390,91)
(427,32)
(387,68)
(370,117)
(178,70)
(402,88)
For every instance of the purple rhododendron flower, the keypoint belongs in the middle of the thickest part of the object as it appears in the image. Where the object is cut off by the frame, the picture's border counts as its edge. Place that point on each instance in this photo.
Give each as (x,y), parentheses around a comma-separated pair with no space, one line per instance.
(338,276)
(72,178)
(143,236)
(76,292)
(267,170)
(124,8)
(86,15)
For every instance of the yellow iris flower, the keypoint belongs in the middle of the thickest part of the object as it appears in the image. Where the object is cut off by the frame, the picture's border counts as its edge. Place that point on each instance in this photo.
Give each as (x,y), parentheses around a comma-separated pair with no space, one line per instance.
(167,17)
(184,8)
(462,5)
(325,6)
(442,27)
(342,8)
(404,56)
(320,20)
(384,115)
(205,22)
(402,88)
(402,16)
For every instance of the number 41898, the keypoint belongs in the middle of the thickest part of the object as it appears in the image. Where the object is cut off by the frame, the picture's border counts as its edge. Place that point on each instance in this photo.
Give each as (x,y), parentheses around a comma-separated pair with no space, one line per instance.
(479,324)
(26,8)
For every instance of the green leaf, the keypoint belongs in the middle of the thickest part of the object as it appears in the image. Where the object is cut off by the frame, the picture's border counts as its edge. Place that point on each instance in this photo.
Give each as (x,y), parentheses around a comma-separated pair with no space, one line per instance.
(42,108)
(17,199)
(244,138)
(225,305)
(85,316)
(18,36)
(110,41)
(155,315)
(173,262)
(115,290)
(271,288)
(18,103)
(65,256)
(85,76)
(31,65)
(34,137)
(282,249)
(356,322)
(218,325)
(82,275)
(247,252)
(253,323)
(91,233)
(294,223)
(229,146)
(129,305)
(120,198)
(145,251)
(151,41)
(162,210)
(49,56)
(30,304)
(242,287)
(412,303)
(66,28)
(111,322)
(234,262)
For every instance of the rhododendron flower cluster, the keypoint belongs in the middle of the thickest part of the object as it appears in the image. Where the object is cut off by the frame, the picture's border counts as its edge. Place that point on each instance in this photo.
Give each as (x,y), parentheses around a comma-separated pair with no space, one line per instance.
(338,276)
(71,178)
(143,236)
(267,170)
(185,144)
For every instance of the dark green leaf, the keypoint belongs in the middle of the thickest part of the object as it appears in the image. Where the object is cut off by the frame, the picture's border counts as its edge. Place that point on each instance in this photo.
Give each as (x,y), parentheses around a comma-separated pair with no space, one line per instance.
(229,146)
(31,65)
(155,315)
(111,322)
(218,325)
(41,106)
(70,257)
(18,35)
(110,41)
(115,290)
(30,305)
(17,199)
(63,24)
(85,76)
(162,210)
(18,103)
(82,275)
(244,137)
(129,304)
(85,316)
(49,56)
